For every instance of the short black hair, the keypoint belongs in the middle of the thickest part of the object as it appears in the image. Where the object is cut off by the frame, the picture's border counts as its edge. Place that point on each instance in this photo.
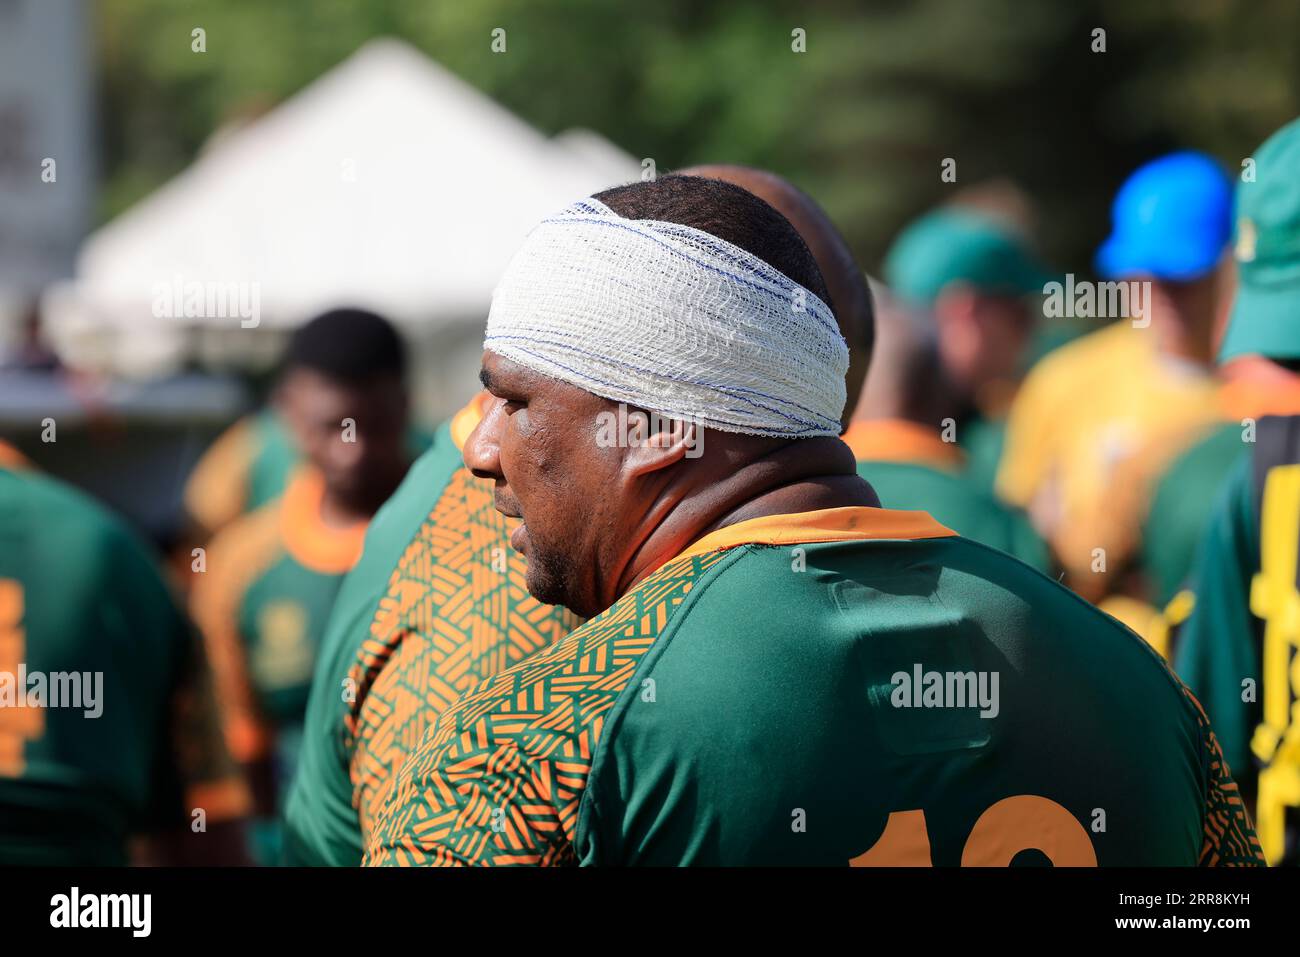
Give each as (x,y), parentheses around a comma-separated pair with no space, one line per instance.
(350,346)
(726,211)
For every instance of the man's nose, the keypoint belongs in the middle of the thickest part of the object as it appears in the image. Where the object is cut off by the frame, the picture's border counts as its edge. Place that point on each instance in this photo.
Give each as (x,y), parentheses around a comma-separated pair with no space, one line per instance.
(482,449)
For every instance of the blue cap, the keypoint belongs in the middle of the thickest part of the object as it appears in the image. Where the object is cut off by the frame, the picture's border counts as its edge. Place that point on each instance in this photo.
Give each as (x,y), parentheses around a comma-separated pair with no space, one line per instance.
(1171,219)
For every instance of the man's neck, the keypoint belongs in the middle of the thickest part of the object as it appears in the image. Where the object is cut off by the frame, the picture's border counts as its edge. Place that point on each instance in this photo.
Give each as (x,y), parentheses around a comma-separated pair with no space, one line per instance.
(802,476)
(338,512)
(341,511)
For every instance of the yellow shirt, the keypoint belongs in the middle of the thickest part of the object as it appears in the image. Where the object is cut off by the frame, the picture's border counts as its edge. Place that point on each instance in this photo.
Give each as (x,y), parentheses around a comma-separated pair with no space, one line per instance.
(1092,428)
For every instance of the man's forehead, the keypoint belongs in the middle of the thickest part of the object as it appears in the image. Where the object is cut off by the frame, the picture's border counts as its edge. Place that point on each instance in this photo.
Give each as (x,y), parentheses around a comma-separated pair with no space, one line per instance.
(503,376)
(497,371)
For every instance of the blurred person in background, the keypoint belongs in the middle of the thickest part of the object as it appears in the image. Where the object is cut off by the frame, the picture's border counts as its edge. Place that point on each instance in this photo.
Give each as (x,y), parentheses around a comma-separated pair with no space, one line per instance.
(1097,420)
(247,466)
(899,443)
(977,278)
(1239,651)
(439,601)
(135,767)
(270,578)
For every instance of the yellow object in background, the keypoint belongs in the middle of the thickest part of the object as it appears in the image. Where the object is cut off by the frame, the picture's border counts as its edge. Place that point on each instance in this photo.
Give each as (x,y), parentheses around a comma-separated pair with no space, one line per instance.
(1092,428)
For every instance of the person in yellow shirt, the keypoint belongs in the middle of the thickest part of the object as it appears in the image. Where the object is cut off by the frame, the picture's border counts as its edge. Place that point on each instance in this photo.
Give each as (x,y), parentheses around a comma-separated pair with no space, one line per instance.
(1097,421)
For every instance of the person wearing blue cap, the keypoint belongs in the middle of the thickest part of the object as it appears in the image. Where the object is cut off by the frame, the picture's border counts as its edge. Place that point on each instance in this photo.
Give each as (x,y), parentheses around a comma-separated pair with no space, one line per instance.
(1098,420)
(1172,221)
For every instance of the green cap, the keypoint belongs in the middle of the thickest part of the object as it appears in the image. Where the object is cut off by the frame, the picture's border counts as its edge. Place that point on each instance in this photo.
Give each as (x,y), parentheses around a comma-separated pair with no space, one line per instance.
(1266,313)
(953,245)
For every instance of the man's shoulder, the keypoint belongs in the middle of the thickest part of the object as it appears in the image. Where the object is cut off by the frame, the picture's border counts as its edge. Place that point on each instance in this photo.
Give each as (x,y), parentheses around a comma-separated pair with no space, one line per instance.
(968,509)
(250,541)
(597,656)
(540,721)
(914,485)
(324,826)
(91,540)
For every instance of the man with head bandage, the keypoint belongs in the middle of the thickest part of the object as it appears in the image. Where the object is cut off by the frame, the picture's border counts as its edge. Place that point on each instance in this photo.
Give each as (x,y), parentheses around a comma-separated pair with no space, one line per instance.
(778,671)
(439,600)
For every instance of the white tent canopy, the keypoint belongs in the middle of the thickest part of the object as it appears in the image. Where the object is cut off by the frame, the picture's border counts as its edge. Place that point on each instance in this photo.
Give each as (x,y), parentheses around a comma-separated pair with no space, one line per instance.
(387,183)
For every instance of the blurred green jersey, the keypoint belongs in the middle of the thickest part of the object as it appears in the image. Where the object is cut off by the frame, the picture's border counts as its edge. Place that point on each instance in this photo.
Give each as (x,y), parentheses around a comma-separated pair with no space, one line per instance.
(262,603)
(913,469)
(106,720)
(845,686)
(1240,647)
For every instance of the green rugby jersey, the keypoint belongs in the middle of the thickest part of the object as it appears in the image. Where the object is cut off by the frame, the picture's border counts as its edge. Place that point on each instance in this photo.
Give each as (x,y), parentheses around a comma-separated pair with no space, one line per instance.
(847,686)
(80,595)
(1179,509)
(247,466)
(1238,649)
(262,604)
(959,506)
(913,469)
(436,603)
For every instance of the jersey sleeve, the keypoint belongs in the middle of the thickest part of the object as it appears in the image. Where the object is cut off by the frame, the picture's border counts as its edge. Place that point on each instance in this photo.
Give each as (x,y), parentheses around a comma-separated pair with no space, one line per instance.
(1228,837)
(236,557)
(207,776)
(1215,651)
(320,821)
(216,492)
(322,825)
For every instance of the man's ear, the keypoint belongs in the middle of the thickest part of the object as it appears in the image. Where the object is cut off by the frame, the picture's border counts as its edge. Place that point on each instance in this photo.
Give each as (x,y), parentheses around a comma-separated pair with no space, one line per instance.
(651,451)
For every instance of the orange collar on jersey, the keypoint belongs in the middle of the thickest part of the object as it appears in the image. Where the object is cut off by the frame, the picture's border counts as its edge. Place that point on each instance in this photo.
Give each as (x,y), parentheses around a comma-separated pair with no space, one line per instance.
(850,524)
(1254,387)
(898,440)
(11,458)
(467,419)
(312,543)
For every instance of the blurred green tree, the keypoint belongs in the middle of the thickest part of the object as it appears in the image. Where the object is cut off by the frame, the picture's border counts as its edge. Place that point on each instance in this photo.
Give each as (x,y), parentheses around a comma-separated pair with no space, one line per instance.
(1010,89)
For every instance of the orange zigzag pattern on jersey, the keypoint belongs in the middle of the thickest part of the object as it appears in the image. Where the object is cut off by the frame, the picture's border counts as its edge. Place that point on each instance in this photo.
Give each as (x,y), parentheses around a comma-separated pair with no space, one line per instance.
(1229,839)
(449,619)
(500,779)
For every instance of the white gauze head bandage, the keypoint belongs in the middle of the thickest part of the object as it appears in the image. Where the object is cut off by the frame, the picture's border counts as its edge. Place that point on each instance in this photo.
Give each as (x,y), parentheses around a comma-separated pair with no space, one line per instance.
(672,320)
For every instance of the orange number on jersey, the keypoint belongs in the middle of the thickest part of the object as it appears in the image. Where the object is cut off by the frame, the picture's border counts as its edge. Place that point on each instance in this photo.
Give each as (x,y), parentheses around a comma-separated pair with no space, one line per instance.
(905,843)
(1014,824)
